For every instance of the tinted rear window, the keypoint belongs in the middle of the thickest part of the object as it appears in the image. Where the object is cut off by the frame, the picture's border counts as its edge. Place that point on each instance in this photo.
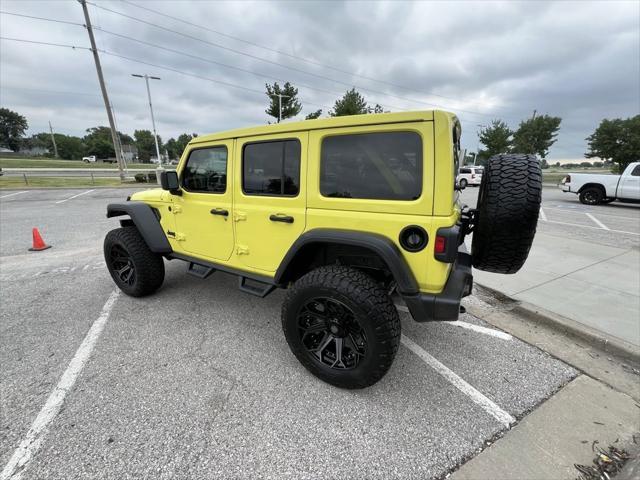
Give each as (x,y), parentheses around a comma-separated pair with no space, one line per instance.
(372,165)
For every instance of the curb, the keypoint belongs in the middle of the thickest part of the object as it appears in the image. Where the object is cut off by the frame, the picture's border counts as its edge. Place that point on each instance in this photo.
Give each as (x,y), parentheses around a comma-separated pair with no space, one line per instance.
(567,326)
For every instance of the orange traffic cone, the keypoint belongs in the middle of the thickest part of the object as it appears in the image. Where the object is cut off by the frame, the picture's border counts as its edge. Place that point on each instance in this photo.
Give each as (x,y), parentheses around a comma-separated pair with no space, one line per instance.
(38,243)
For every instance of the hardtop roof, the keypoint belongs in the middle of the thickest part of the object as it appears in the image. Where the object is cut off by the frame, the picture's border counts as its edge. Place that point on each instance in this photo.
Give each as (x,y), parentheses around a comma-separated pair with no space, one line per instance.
(320,123)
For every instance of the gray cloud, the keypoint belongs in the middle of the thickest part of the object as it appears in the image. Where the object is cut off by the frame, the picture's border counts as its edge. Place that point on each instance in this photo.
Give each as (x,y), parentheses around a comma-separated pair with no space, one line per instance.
(483,60)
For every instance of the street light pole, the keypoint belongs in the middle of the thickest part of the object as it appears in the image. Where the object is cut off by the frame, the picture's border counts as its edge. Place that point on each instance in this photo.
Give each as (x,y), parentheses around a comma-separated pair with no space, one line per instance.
(153,120)
(280,97)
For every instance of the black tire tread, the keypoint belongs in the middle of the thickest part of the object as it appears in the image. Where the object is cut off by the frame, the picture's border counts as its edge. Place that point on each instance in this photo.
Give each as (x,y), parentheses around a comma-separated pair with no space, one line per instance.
(508,208)
(149,266)
(373,299)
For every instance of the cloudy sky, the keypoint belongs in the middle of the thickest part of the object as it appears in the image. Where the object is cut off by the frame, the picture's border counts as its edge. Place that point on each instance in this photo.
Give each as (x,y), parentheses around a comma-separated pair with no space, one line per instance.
(480,59)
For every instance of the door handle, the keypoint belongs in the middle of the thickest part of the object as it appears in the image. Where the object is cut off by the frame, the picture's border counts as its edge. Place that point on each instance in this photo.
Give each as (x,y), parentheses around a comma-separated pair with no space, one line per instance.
(220,211)
(281,218)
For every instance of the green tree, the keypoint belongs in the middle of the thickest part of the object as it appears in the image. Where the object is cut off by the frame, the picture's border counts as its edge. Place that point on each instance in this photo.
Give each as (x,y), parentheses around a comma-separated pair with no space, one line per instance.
(176,147)
(69,147)
(536,135)
(98,142)
(12,128)
(146,145)
(617,141)
(313,115)
(352,103)
(291,106)
(496,139)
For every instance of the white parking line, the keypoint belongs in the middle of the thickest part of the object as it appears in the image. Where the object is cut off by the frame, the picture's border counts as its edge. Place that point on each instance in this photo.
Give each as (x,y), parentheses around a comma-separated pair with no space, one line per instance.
(75,196)
(505,418)
(597,222)
(12,194)
(31,443)
(477,328)
(469,326)
(593,228)
(543,215)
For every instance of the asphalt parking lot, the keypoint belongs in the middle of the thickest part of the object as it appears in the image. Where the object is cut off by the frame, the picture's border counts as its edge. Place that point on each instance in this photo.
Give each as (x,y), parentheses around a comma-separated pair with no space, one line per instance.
(197,380)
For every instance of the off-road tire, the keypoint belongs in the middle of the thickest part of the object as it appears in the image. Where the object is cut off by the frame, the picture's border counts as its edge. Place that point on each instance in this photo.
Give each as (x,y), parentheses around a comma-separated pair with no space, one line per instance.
(372,308)
(591,196)
(148,266)
(507,212)
(463,183)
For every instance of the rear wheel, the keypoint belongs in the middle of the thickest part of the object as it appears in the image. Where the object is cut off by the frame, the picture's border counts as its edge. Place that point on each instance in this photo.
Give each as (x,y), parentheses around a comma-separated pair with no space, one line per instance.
(135,269)
(507,213)
(341,326)
(591,196)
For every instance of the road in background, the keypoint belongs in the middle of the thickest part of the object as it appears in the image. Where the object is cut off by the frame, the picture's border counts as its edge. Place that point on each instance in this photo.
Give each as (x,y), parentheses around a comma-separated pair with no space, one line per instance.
(584,265)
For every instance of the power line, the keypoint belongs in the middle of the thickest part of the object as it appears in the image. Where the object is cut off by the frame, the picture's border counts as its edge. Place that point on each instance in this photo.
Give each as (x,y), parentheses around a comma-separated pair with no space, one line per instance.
(57,92)
(142,62)
(41,18)
(214,62)
(302,59)
(74,47)
(255,57)
(201,77)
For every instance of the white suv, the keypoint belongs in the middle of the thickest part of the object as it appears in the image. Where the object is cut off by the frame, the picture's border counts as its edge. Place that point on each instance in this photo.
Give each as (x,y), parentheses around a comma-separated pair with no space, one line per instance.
(469,176)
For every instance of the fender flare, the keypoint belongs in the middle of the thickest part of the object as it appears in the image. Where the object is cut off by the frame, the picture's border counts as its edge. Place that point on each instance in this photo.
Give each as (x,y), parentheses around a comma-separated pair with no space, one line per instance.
(145,221)
(378,244)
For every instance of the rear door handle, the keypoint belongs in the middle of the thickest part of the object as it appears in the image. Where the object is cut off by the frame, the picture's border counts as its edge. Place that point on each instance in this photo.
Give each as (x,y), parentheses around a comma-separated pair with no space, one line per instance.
(281,218)
(220,211)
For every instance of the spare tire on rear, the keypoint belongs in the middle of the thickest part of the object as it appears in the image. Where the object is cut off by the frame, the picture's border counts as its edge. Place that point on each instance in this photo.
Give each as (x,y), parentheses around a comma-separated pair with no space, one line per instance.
(507,212)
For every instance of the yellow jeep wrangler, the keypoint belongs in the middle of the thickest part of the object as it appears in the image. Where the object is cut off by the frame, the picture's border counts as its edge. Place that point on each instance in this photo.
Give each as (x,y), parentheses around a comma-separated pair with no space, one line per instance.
(343,213)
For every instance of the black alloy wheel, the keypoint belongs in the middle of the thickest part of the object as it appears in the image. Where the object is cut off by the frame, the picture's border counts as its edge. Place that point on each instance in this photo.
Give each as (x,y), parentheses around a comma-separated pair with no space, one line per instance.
(331,334)
(122,264)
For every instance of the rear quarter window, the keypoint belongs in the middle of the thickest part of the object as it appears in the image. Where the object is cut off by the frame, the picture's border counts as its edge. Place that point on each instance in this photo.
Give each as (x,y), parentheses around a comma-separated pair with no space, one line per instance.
(385,166)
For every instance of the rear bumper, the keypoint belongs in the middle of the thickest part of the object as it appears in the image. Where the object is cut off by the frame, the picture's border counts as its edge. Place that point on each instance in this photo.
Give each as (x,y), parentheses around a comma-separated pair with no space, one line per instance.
(444,306)
(565,187)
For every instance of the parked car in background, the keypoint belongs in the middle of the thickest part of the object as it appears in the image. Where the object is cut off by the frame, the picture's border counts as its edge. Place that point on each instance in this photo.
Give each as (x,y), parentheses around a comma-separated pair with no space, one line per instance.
(593,189)
(89,159)
(469,176)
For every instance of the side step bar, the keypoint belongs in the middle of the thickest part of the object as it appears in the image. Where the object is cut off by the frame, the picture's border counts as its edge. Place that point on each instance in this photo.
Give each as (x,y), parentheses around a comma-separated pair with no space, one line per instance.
(257,288)
(200,271)
(246,284)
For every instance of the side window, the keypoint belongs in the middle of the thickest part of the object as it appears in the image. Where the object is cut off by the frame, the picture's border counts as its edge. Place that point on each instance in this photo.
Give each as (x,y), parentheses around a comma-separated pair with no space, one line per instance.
(206,170)
(636,171)
(465,170)
(271,168)
(372,165)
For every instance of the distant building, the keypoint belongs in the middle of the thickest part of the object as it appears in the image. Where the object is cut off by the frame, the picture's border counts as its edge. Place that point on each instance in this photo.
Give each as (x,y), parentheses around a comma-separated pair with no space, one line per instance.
(33,151)
(129,153)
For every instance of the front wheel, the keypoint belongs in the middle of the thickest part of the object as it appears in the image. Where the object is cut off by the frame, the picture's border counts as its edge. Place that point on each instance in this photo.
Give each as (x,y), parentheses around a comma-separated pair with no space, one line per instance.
(135,269)
(341,326)
(463,183)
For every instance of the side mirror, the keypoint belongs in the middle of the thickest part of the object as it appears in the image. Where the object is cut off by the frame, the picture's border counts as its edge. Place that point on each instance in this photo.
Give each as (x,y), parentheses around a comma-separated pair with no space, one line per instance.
(169,181)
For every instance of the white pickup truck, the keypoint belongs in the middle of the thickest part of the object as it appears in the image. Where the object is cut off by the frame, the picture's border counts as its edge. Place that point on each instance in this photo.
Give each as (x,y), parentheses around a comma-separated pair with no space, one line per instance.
(593,189)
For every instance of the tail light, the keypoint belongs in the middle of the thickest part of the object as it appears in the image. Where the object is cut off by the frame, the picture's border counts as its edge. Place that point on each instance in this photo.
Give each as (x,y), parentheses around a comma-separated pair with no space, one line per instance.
(567,179)
(441,244)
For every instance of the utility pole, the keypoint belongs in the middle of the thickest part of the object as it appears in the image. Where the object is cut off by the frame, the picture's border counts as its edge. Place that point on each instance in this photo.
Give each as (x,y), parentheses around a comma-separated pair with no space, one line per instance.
(53,139)
(280,97)
(103,88)
(153,120)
